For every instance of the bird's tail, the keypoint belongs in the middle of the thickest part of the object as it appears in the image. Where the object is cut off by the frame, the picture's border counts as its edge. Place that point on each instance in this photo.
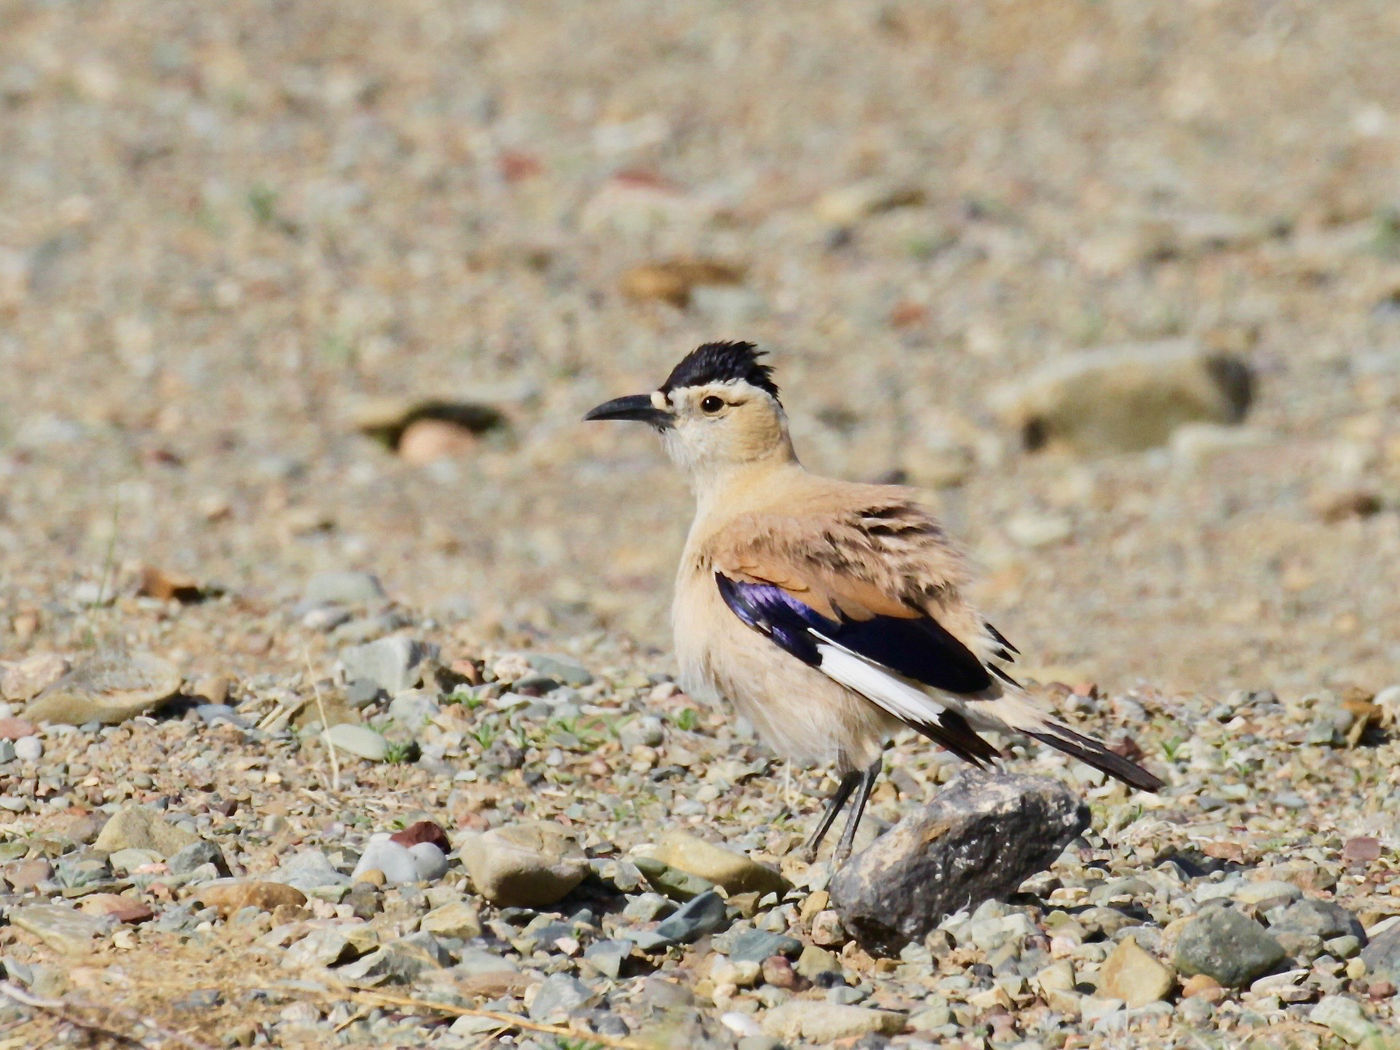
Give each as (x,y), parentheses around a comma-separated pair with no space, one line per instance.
(1023,717)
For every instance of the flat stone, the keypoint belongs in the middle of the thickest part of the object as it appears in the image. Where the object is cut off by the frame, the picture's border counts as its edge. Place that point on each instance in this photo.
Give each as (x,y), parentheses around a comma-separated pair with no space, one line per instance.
(325,947)
(361,741)
(136,827)
(758,945)
(724,867)
(979,839)
(27,678)
(1382,955)
(608,957)
(308,870)
(529,865)
(129,860)
(60,927)
(122,908)
(230,897)
(692,920)
(399,961)
(455,919)
(198,853)
(1227,946)
(1348,1021)
(1134,975)
(558,996)
(342,588)
(560,668)
(414,708)
(108,688)
(1259,892)
(1125,398)
(1325,919)
(394,664)
(824,1023)
(673,882)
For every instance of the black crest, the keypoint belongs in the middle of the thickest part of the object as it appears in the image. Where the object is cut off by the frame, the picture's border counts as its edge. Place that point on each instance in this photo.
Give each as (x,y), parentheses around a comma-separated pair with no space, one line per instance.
(722,363)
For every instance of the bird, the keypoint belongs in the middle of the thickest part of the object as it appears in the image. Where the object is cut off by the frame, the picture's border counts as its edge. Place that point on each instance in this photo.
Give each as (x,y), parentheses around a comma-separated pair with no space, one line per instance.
(830,613)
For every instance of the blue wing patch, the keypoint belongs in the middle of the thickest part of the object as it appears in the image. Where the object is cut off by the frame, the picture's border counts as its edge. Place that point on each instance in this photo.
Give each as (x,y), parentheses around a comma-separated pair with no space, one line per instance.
(916,647)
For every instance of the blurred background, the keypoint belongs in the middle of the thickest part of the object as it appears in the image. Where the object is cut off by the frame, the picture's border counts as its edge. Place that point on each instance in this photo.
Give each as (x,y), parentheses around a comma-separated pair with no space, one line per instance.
(296,287)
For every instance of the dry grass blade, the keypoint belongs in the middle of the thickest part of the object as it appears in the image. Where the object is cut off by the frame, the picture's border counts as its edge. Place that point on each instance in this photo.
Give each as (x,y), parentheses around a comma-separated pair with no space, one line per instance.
(325,729)
(64,1011)
(369,995)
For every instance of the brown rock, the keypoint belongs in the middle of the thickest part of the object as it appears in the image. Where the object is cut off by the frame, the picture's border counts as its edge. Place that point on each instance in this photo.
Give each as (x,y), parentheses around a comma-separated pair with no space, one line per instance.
(423,831)
(168,586)
(211,687)
(231,897)
(109,688)
(372,876)
(121,908)
(426,440)
(1200,986)
(673,280)
(1135,976)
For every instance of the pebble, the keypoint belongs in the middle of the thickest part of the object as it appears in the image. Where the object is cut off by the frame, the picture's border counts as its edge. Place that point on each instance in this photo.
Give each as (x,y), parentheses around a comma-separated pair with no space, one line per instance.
(560,668)
(824,1023)
(342,588)
(230,897)
(308,870)
(59,926)
(107,688)
(394,860)
(733,871)
(1134,976)
(1227,946)
(361,741)
(195,855)
(29,749)
(559,996)
(759,945)
(394,664)
(1347,1020)
(523,865)
(704,914)
(136,827)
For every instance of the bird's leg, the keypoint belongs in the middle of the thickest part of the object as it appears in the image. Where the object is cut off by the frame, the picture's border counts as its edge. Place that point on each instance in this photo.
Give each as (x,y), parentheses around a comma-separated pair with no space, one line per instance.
(833,807)
(848,837)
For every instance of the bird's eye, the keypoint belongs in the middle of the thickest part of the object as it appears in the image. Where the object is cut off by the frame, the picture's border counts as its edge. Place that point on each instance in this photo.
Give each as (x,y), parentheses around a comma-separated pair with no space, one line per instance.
(712,404)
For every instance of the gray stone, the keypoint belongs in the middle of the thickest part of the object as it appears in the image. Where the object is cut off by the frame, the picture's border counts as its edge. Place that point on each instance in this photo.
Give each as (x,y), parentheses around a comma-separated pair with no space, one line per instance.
(1382,955)
(308,870)
(342,588)
(757,945)
(329,946)
(361,741)
(979,839)
(108,688)
(361,692)
(824,1023)
(61,927)
(131,858)
(399,961)
(704,914)
(136,827)
(1325,919)
(646,731)
(385,855)
(560,668)
(192,856)
(1228,946)
(394,664)
(7,752)
(557,996)
(220,714)
(1125,398)
(1262,892)
(523,865)
(1347,1020)
(414,708)
(608,957)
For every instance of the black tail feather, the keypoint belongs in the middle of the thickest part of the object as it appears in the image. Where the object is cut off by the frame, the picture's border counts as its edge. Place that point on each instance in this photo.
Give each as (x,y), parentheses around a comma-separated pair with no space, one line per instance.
(1076,745)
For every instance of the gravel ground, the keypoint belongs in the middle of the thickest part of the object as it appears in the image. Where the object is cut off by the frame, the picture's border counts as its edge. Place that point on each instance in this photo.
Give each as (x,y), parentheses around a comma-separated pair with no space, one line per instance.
(231,242)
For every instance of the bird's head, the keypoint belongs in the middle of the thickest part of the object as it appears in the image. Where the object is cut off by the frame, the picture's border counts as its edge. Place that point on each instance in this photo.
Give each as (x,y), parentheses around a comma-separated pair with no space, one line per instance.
(718,408)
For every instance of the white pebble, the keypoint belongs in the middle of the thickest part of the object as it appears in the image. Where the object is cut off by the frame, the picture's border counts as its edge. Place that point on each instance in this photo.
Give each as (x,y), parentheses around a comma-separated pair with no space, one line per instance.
(29,749)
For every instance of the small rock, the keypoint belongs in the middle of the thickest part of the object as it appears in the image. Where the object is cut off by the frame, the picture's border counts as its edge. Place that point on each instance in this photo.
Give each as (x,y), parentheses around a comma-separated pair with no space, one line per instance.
(394,860)
(1125,399)
(232,897)
(342,588)
(1228,946)
(329,946)
(979,839)
(814,961)
(357,740)
(394,664)
(673,882)
(523,865)
(108,688)
(824,1023)
(735,872)
(14,728)
(1134,975)
(759,945)
(1382,955)
(457,919)
(646,731)
(847,205)
(560,668)
(190,857)
(308,870)
(704,914)
(430,861)
(1346,1019)
(414,708)
(29,749)
(428,440)
(59,926)
(558,996)
(423,831)
(608,957)
(1259,892)
(399,961)
(136,827)
(123,909)
(673,280)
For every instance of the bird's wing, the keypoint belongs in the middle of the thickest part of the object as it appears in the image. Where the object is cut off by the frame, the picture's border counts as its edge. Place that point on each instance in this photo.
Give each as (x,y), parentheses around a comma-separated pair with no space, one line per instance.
(863,596)
(870,595)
